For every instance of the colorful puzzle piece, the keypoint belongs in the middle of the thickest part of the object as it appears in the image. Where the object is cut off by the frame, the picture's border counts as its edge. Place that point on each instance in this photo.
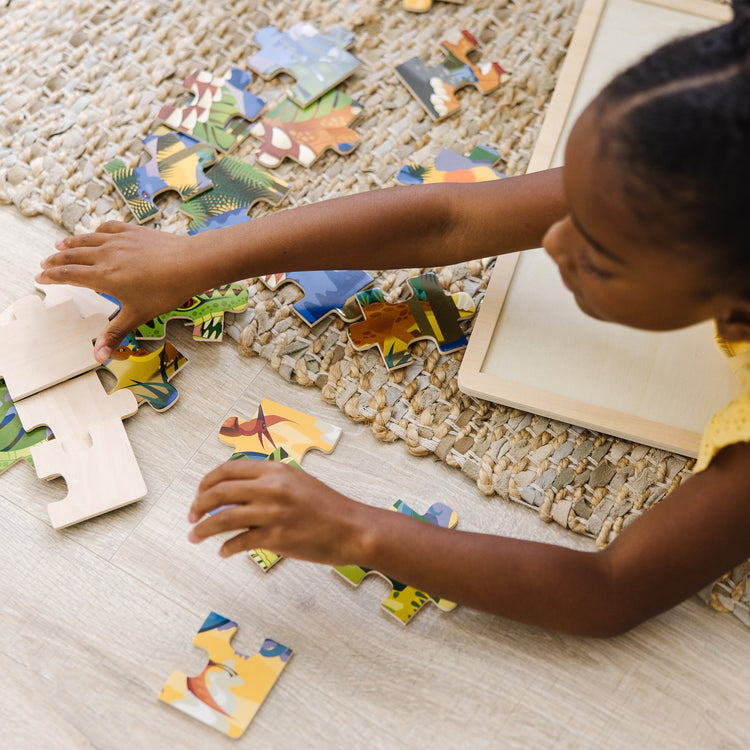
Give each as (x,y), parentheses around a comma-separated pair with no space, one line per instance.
(435,86)
(422,6)
(304,134)
(318,61)
(15,442)
(405,601)
(146,374)
(452,167)
(227,694)
(237,187)
(220,110)
(325,292)
(429,313)
(177,163)
(205,311)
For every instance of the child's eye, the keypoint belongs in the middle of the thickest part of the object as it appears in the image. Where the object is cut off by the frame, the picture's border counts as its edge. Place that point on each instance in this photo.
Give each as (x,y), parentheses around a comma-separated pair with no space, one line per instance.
(584,261)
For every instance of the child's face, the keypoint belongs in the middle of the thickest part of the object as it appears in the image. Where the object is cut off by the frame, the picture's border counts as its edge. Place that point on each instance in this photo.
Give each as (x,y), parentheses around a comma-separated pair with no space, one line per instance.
(615,267)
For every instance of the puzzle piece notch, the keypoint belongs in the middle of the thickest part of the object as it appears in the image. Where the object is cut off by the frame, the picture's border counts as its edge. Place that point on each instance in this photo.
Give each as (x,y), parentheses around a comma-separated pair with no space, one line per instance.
(227,694)
(87,301)
(318,61)
(422,6)
(405,601)
(452,167)
(435,86)
(15,442)
(220,111)
(429,313)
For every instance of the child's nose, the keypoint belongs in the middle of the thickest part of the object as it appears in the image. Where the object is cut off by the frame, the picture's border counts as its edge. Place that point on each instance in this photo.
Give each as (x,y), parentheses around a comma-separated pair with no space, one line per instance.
(556,242)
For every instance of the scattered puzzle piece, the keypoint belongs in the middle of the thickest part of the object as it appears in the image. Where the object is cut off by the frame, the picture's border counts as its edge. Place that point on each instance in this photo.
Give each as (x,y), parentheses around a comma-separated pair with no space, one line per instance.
(304,134)
(177,163)
(325,292)
(227,694)
(405,601)
(220,110)
(422,6)
(206,311)
(452,167)
(87,301)
(429,313)
(435,86)
(15,442)
(237,187)
(318,61)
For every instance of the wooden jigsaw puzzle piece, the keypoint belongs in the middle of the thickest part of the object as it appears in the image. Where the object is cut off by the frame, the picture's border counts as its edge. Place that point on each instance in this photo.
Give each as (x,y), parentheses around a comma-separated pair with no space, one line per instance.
(303,134)
(452,167)
(87,301)
(429,313)
(220,111)
(90,449)
(177,163)
(325,292)
(405,601)
(435,86)
(422,6)
(319,61)
(227,694)
(237,187)
(15,442)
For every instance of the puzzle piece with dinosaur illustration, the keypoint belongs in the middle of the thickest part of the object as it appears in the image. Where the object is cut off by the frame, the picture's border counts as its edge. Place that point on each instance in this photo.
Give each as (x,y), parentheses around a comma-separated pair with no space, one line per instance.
(303,134)
(15,442)
(452,167)
(325,292)
(204,311)
(237,187)
(405,601)
(221,109)
(177,163)
(227,694)
(422,6)
(435,86)
(319,61)
(429,313)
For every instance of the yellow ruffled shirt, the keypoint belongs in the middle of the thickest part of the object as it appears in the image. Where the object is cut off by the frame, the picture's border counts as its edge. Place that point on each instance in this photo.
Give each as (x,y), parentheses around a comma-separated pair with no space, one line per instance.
(732,423)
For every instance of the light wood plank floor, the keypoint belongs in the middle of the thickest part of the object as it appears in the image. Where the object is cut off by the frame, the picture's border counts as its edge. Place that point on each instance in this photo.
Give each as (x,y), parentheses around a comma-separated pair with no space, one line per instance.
(94,618)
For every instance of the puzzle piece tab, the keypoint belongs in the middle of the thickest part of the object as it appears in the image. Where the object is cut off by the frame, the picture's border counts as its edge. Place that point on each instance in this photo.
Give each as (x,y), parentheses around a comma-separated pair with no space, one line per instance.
(237,187)
(435,86)
(325,292)
(429,313)
(177,163)
(452,167)
(87,301)
(15,442)
(220,110)
(227,694)
(405,601)
(319,61)
(304,134)
(422,6)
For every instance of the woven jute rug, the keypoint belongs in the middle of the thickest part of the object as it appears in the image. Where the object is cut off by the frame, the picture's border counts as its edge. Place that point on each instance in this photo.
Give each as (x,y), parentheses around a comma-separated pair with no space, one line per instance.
(81,83)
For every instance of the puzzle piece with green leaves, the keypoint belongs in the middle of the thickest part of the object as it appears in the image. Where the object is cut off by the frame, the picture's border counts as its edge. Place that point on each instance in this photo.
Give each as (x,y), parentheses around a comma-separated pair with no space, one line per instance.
(452,167)
(15,442)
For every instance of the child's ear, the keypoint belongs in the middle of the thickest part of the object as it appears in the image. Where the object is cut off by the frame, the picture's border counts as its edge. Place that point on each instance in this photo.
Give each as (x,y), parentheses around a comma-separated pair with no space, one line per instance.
(734,324)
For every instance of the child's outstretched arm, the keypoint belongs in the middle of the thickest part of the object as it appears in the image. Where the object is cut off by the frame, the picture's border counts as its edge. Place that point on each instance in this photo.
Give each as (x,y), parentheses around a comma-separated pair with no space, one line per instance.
(152,272)
(689,539)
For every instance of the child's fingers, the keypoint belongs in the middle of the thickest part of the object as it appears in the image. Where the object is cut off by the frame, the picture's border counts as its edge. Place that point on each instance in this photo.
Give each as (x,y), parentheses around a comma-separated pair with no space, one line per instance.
(232,518)
(77,275)
(111,337)
(240,543)
(230,470)
(77,241)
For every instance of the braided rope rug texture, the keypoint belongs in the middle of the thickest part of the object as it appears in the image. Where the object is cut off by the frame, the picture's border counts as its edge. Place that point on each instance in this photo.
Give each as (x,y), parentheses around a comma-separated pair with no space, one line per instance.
(81,83)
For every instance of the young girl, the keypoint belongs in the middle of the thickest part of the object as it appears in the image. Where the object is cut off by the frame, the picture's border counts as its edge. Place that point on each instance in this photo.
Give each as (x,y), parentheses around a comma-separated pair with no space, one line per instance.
(649,225)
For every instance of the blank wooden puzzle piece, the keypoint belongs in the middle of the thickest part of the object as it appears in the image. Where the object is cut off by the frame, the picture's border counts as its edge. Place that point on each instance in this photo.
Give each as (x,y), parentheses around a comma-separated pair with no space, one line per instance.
(87,301)
(205,311)
(452,167)
(422,6)
(90,449)
(435,86)
(325,292)
(429,313)
(41,346)
(237,187)
(227,694)
(177,163)
(319,61)
(15,442)
(405,601)
(220,110)
(303,134)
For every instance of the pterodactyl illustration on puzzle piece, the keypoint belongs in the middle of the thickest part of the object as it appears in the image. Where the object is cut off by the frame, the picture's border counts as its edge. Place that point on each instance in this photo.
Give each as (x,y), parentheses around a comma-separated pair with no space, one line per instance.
(237,187)
(435,86)
(15,442)
(227,694)
(422,6)
(452,167)
(277,433)
(221,109)
(429,313)
(204,311)
(303,134)
(177,163)
(318,61)
(325,292)
(405,601)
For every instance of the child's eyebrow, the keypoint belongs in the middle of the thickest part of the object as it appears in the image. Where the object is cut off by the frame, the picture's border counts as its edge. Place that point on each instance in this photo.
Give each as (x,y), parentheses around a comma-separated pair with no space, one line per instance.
(599,248)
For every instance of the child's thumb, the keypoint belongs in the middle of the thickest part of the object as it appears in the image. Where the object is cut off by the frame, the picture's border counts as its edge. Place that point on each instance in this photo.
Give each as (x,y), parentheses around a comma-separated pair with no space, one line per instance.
(112,336)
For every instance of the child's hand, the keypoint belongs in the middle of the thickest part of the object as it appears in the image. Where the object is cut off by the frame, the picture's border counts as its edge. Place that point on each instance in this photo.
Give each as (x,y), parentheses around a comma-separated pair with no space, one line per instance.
(279,508)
